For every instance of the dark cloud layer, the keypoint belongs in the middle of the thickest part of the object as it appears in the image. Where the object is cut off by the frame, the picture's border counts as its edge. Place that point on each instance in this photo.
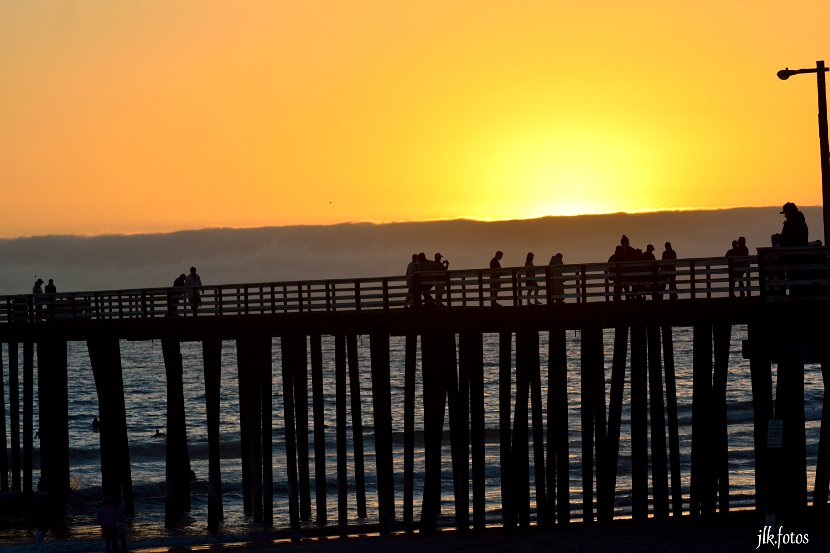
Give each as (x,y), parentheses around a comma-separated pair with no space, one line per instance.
(356,250)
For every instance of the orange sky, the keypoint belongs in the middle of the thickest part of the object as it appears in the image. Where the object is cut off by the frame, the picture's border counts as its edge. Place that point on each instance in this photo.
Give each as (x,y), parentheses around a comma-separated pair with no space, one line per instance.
(160,115)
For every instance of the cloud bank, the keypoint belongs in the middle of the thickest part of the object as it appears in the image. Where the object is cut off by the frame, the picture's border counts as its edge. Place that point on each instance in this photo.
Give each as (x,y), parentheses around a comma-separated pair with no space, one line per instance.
(273,254)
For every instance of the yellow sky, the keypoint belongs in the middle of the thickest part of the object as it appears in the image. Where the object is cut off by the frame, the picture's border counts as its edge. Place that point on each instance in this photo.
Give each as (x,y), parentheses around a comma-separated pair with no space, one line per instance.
(138,116)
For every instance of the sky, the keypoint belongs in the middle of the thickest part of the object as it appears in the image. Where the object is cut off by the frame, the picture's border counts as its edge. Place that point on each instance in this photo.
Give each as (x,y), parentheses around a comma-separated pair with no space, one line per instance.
(155,116)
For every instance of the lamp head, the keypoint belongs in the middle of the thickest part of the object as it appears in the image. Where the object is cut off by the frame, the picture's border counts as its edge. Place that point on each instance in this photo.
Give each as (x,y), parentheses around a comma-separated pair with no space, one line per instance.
(785,74)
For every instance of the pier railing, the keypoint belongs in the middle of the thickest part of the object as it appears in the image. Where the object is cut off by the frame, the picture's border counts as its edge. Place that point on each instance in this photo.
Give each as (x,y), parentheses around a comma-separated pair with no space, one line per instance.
(773,273)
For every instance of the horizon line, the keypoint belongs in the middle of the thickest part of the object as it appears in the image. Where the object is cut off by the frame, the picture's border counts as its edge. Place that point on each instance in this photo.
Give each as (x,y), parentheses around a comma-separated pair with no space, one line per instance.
(460,218)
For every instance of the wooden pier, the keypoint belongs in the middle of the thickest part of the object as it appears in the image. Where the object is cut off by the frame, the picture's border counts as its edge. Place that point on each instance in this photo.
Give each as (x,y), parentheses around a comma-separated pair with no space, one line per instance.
(443,317)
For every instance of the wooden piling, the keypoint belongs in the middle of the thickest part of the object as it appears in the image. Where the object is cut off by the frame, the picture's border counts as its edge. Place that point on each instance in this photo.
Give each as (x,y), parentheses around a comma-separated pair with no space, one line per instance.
(289,355)
(434,401)
(592,386)
(18,463)
(471,369)
(458,404)
(639,423)
(105,359)
(508,504)
(318,400)
(519,447)
(761,374)
(659,470)
(28,411)
(538,427)
(606,506)
(340,418)
(722,335)
(245,401)
(701,496)
(212,359)
(558,476)
(671,414)
(822,482)
(263,371)
(300,382)
(52,370)
(357,425)
(382,422)
(791,473)
(410,362)
(177,498)
(4,451)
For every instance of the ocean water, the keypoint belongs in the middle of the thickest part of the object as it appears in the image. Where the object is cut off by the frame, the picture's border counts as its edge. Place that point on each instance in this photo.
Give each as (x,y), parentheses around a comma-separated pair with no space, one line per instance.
(145,398)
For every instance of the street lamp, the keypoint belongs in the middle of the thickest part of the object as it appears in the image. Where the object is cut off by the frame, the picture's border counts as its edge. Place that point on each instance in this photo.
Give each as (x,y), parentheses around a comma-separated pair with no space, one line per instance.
(819,70)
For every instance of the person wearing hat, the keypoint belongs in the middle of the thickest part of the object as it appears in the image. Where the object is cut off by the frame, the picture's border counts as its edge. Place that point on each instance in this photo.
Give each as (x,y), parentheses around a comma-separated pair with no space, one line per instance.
(37,288)
(794,232)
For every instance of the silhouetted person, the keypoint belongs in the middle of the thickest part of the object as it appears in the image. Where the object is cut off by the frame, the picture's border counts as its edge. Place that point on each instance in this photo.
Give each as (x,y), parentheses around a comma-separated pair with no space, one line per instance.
(530,280)
(741,265)
(37,292)
(159,433)
(730,253)
(794,232)
(495,279)
(624,252)
(96,424)
(557,284)
(193,284)
(51,288)
(649,253)
(670,271)
(411,268)
(424,281)
(174,295)
(439,265)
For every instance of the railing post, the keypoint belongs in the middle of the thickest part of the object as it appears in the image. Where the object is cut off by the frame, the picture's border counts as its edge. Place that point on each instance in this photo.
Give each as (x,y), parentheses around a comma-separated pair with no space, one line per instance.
(144,310)
(548,287)
(708,281)
(328,298)
(357,295)
(386,294)
(480,288)
(300,296)
(583,283)
(692,278)
(517,293)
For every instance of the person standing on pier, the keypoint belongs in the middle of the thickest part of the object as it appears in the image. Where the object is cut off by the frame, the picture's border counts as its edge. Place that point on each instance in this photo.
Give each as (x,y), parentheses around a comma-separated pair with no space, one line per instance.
(440,265)
(794,232)
(495,278)
(742,266)
(37,287)
(670,270)
(193,283)
(530,280)
(410,273)
(51,288)
(557,283)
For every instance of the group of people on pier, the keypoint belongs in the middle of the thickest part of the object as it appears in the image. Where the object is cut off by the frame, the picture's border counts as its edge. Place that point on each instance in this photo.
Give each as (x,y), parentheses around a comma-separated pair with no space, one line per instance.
(185,287)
